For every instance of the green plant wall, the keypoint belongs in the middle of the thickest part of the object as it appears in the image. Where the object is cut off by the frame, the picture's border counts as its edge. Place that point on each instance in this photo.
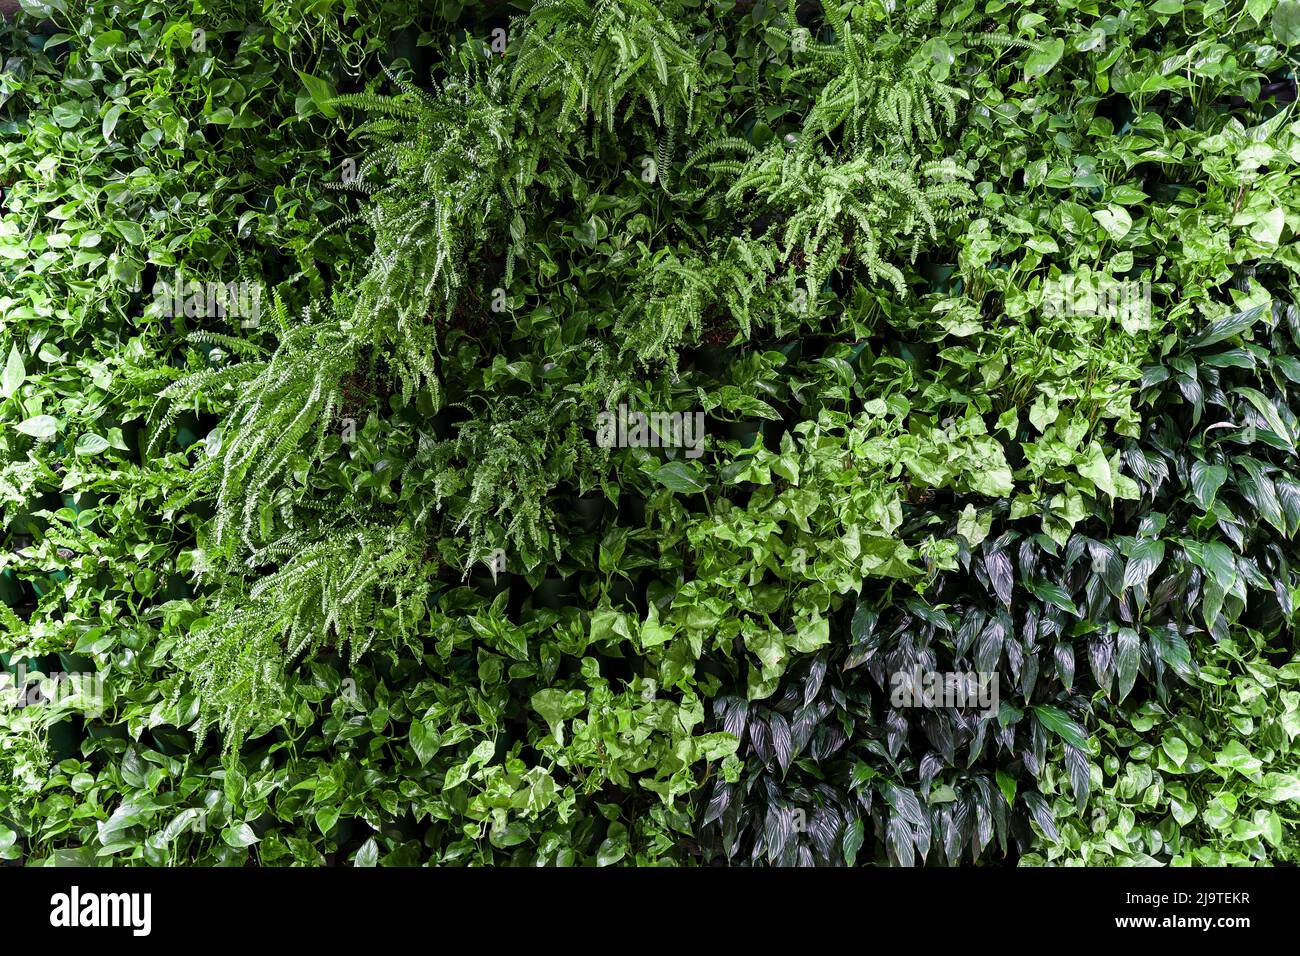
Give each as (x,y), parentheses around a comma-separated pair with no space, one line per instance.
(566,432)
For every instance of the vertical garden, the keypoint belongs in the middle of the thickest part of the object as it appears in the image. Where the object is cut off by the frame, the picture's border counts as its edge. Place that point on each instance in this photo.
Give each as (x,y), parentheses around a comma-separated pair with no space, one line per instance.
(649,432)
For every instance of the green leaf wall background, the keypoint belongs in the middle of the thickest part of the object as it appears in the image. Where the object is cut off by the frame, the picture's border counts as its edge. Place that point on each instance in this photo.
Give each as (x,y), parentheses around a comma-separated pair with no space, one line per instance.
(966,341)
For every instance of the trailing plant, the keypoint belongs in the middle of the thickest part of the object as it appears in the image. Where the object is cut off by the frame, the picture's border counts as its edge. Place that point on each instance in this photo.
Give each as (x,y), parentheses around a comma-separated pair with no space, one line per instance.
(643,396)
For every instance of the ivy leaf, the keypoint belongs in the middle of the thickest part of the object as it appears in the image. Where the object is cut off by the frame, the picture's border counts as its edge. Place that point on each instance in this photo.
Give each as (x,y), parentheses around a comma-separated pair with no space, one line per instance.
(105,43)
(239,836)
(556,706)
(1042,60)
(1115,220)
(424,741)
(456,776)
(326,819)
(512,834)
(611,851)
(993,480)
(90,444)
(368,855)
(110,122)
(811,635)
(1267,228)
(1286,22)
(1281,787)
(1176,749)
(680,477)
(40,426)
(14,374)
(1096,469)
(321,91)
(42,8)
(939,56)
(974,525)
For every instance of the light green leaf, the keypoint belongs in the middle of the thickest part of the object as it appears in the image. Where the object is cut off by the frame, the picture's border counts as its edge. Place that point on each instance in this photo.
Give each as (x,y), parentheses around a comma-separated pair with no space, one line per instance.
(610,852)
(105,43)
(368,855)
(1115,220)
(1007,784)
(90,444)
(14,374)
(680,477)
(1267,228)
(239,836)
(1281,787)
(1041,61)
(110,122)
(1286,22)
(556,706)
(424,741)
(1043,412)
(1096,469)
(1175,749)
(974,525)
(322,93)
(40,426)
(811,635)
